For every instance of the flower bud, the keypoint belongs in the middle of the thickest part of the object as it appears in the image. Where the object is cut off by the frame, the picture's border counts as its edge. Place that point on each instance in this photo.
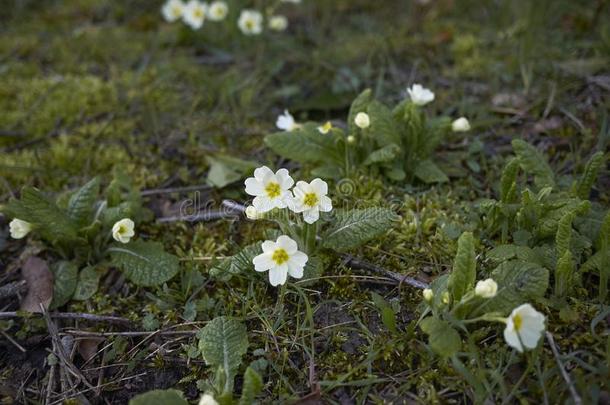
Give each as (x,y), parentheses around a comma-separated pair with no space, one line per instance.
(460,125)
(486,288)
(362,120)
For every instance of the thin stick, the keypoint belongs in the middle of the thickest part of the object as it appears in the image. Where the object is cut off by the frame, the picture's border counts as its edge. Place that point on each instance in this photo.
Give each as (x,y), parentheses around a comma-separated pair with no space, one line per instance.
(10,339)
(71,315)
(187,189)
(129,334)
(359,264)
(14,288)
(575,396)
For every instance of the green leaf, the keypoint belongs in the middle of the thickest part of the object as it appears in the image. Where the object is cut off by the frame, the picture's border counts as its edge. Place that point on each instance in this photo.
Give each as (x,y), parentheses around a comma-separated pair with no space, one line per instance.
(239,263)
(88,281)
(145,263)
(253,385)
(223,342)
(65,275)
(81,204)
(37,209)
(428,172)
(533,162)
(564,274)
(159,397)
(305,145)
(508,182)
(518,282)
(388,317)
(584,185)
(385,154)
(462,278)
(383,127)
(503,253)
(360,104)
(563,236)
(352,228)
(225,169)
(443,339)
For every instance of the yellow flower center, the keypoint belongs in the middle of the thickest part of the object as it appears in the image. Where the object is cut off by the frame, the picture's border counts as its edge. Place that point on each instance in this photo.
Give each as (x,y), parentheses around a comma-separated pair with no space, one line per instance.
(310,199)
(518,322)
(122,229)
(280,256)
(198,13)
(249,24)
(176,10)
(326,127)
(273,189)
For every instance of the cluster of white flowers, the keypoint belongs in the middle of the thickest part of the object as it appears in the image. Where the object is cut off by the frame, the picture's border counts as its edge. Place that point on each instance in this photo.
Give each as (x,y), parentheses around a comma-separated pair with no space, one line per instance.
(421,96)
(273,190)
(194,13)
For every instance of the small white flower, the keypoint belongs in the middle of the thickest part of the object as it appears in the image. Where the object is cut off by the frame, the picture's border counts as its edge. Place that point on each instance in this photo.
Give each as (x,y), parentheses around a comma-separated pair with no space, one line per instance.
(218,11)
(420,95)
(122,231)
(172,10)
(310,199)
(286,122)
(428,294)
(362,120)
(250,22)
(207,399)
(460,125)
(524,327)
(19,228)
(486,288)
(278,23)
(271,190)
(281,258)
(351,139)
(252,213)
(194,14)
(324,129)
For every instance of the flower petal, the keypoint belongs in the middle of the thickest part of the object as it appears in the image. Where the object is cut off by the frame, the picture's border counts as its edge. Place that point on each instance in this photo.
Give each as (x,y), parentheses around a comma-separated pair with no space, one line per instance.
(254,187)
(325,204)
(278,275)
(311,215)
(269,246)
(284,179)
(319,186)
(261,173)
(288,244)
(263,262)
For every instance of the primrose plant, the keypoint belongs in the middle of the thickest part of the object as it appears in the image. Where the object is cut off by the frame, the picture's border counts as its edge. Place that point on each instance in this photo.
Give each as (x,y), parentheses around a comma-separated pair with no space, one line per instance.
(454,301)
(310,228)
(89,235)
(398,143)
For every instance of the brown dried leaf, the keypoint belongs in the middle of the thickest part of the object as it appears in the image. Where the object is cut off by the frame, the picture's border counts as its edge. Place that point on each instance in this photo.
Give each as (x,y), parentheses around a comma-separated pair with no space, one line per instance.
(87,348)
(39,279)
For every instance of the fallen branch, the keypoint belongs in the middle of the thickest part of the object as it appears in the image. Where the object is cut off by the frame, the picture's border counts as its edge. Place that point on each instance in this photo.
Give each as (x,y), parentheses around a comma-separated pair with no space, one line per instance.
(70,315)
(360,264)
(171,190)
(575,396)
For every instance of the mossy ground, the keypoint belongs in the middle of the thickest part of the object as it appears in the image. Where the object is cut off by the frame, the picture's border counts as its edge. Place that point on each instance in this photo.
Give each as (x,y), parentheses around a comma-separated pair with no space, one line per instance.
(88,87)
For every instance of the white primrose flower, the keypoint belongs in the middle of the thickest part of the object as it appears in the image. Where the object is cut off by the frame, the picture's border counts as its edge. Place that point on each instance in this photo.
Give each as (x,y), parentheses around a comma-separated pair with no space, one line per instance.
(278,23)
(250,22)
(325,128)
(486,288)
(194,14)
(428,294)
(362,120)
(271,190)
(218,11)
(172,10)
(460,125)
(286,122)
(524,327)
(281,258)
(351,139)
(19,228)
(122,231)
(310,199)
(207,399)
(420,95)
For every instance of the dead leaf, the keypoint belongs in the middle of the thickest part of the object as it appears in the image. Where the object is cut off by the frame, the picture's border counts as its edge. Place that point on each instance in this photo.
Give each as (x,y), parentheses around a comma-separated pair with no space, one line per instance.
(87,348)
(39,280)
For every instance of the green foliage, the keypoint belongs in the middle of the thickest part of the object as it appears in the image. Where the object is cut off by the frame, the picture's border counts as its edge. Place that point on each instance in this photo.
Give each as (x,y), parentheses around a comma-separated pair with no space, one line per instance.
(159,397)
(253,385)
(239,263)
(584,185)
(353,228)
(65,277)
(144,262)
(225,169)
(88,281)
(223,342)
(306,144)
(82,202)
(463,276)
(388,316)
(442,337)
(532,161)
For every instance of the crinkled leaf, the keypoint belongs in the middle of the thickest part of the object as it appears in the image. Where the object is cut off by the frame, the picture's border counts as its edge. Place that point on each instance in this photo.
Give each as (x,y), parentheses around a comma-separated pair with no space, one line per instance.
(443,339)
(305,145)
(65,278)
(145,263)
(385,154)
(88,281)
(533,162)
(226,169)
(223,342)
(253,385)
(564,274)
(352,228)
(428,172)
(82,202)
(383,127)
(503,253)
(462,278)
(563,236)
(239,263)
(159,397)
(518,282)
(508,181)
(584,185)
